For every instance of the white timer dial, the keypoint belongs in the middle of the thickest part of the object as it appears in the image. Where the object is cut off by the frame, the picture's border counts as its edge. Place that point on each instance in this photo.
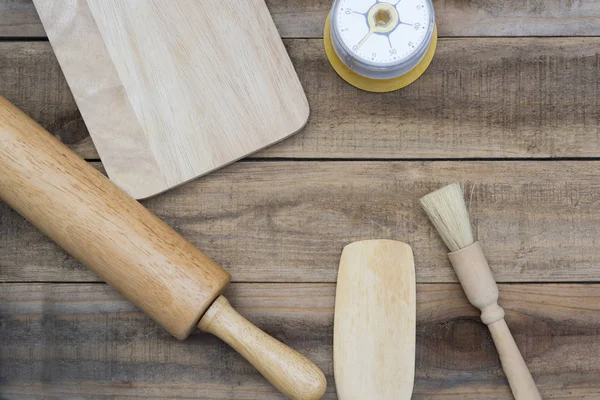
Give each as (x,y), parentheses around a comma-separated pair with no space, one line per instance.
(381,39)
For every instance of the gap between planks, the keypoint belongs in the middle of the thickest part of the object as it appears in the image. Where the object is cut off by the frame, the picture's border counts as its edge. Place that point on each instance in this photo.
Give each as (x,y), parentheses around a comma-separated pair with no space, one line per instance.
(294,283)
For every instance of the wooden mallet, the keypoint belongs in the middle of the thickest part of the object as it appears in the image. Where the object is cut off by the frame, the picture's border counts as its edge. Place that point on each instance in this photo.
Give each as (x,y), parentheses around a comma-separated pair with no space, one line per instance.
(134,251)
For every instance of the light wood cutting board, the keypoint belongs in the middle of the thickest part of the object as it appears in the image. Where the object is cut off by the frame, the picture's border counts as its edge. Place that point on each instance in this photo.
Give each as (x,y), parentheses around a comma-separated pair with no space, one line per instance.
(375,321)
(171,90)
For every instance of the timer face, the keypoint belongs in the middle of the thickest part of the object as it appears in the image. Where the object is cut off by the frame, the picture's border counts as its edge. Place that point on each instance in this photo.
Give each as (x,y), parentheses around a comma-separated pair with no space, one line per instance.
(382,33)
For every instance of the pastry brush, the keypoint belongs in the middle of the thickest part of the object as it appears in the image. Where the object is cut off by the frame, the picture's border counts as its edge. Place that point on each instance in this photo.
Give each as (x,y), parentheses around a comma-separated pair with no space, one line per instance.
(447,211)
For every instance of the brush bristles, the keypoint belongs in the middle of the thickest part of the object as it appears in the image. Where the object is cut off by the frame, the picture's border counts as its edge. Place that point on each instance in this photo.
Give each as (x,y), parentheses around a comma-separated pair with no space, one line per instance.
(448,213)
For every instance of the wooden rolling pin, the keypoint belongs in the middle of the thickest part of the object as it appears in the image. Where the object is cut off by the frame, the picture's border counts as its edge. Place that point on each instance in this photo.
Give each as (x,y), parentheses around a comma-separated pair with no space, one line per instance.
(134,251)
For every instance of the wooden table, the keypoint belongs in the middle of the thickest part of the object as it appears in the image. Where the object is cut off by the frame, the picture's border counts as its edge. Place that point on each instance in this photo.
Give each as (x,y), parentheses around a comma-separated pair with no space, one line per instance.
(510,107)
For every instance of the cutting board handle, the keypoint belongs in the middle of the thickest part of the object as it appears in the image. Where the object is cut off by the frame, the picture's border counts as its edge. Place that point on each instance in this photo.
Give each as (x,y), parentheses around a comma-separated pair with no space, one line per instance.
(289,371)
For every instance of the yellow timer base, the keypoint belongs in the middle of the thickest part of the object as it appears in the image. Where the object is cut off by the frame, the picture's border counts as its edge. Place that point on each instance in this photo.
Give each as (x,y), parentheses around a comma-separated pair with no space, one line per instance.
(376,85)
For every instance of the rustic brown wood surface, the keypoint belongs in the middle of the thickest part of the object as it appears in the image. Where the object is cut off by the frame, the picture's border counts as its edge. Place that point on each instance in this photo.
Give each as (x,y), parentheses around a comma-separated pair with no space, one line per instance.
(304,18)
(86,340)
(497,98)
(287,221)
(481,97)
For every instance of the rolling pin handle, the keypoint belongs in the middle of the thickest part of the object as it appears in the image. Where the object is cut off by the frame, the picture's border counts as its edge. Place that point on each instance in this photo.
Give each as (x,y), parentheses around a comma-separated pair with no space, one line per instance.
(289,371)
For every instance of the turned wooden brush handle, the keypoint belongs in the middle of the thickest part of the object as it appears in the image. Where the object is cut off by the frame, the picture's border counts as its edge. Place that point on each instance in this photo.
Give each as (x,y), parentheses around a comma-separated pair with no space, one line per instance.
(518,375)
(479,285)
(131,249)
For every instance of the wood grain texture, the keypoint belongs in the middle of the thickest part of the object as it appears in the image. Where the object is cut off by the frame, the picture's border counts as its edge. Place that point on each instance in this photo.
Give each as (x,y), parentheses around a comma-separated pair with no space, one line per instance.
(18,18)
(288,221)
(375,322)
(518,17)
(172,91)
(490,98)
(85,340)
(134,251)
(106,230)
(305,18)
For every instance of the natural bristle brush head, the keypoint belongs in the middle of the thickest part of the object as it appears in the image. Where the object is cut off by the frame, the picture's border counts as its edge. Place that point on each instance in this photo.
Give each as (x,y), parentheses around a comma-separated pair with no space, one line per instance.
(448,213)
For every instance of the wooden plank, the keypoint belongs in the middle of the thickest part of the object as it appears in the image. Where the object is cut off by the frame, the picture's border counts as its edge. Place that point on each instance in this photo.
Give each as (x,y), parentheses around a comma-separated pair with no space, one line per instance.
(33,81)
(288,221)
(516,98)
(518,17)
(86,341)
(304,18)
(18,18)
(479,98)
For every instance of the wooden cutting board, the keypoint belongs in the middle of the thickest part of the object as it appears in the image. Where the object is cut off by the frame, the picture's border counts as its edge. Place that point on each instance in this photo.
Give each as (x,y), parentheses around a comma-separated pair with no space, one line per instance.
(171,90)
(375,321)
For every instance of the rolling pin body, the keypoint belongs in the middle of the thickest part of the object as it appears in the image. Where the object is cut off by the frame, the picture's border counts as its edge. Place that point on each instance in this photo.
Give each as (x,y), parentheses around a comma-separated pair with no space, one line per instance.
(134,251)
(101,226)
